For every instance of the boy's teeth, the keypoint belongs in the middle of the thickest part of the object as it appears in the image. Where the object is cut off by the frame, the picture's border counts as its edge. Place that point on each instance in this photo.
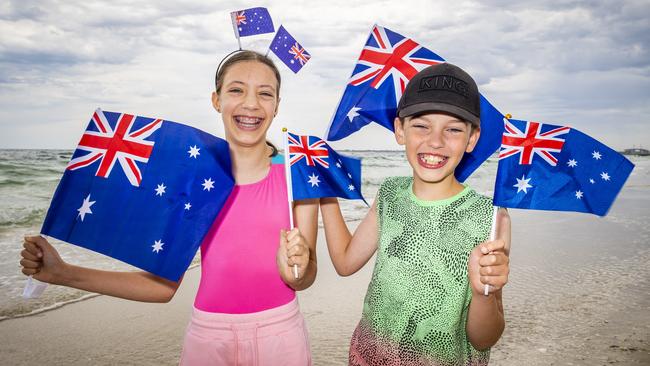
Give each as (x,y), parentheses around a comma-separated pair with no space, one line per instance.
(432,159)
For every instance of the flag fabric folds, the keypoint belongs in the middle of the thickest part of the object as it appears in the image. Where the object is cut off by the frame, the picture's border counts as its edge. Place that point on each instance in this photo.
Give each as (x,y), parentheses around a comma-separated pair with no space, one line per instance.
(386,64)
(316,170)
(289,50)
(547,167)
(249,22)
(141,190)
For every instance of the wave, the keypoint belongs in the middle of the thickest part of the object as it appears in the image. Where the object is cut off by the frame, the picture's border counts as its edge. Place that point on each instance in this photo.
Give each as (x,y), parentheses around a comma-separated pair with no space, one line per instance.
(25,217)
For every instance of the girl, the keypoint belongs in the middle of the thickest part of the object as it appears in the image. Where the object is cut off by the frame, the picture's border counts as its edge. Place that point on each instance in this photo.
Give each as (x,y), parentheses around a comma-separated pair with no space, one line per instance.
(245,310)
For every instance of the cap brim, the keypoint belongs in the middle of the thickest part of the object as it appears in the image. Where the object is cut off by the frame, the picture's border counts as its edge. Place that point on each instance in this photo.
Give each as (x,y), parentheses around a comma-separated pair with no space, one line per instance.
(439,107)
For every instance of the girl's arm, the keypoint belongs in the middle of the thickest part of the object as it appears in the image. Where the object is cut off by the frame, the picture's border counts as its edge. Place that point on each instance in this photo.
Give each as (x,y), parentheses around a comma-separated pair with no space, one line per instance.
(489,264)
(298,246)
(42,261)
(348,252)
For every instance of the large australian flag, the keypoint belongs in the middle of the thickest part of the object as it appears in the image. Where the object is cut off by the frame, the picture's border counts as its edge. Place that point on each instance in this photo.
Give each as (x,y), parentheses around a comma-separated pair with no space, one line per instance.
(141,190)
(386,64)
(319,171)
(547,167)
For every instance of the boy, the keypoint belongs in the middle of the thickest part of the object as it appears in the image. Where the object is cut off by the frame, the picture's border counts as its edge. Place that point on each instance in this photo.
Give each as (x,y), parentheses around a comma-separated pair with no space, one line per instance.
(425,302)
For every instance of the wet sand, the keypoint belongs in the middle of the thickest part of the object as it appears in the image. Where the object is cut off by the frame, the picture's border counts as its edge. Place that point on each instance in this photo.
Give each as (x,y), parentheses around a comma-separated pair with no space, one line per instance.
(578,295)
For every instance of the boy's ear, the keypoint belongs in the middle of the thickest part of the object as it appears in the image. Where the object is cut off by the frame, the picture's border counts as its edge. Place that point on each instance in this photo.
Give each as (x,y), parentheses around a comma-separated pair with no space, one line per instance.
(215,101)
(399,131)
(473,139)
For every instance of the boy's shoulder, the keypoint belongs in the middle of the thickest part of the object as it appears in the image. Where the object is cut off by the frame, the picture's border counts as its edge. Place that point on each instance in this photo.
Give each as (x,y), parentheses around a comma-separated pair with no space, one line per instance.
(395,183)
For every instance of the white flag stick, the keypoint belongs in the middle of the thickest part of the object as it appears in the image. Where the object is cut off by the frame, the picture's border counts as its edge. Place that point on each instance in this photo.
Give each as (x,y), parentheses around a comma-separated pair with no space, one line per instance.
(287,174)
(493,234)
(233,17)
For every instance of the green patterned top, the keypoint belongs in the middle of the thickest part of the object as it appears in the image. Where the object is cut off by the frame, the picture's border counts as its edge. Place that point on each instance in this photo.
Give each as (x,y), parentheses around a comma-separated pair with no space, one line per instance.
(415,310)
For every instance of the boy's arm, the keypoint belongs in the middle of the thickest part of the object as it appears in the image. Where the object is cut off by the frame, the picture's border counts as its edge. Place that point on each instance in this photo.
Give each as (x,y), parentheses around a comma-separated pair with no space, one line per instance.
(489,264)
(348,252)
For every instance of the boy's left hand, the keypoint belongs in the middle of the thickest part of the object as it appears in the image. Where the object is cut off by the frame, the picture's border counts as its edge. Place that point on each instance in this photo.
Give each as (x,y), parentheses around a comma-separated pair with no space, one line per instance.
(489,262)
(293,250)
(488,265)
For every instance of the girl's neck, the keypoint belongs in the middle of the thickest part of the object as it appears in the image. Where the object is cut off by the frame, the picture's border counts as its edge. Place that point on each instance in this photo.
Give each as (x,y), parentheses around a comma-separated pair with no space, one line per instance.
(436,191)
(250,164)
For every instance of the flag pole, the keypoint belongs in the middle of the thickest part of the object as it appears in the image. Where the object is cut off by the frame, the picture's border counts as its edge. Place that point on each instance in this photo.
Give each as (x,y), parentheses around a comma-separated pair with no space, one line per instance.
(287,174)
(493,236)
(233,19)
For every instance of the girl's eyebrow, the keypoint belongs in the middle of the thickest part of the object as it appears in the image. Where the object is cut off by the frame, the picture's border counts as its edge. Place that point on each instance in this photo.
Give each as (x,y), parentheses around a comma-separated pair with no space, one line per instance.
(260,86)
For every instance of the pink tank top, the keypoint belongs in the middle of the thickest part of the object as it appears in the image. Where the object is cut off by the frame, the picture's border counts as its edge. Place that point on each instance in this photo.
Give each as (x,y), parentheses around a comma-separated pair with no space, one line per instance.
(238,268)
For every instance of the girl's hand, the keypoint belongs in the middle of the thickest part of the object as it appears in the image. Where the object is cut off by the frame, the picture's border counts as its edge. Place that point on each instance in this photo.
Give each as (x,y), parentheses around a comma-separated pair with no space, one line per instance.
(41,260)
(293,250)
(488,265)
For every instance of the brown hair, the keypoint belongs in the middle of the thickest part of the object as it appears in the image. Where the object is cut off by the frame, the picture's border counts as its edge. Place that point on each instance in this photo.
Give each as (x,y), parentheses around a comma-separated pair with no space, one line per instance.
(241,56)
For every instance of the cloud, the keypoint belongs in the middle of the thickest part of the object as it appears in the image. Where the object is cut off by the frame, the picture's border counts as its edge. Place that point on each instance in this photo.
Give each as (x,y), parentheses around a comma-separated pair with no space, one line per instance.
(583,63)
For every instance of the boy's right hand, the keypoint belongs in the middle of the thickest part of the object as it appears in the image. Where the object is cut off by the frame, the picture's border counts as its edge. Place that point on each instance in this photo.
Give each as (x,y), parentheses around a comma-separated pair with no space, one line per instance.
(41,260)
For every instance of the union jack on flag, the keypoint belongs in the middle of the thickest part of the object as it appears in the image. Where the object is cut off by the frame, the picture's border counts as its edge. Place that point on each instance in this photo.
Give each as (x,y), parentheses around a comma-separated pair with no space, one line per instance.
(386,64)
(299,53)
(289,50)
(532,141)
(315,170)
(120,144)
(573,172)
(315,152)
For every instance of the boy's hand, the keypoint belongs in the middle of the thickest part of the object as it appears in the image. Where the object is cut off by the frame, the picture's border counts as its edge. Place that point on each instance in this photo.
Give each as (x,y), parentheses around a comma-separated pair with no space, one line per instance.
(293,250)
(488,265)
(41,260)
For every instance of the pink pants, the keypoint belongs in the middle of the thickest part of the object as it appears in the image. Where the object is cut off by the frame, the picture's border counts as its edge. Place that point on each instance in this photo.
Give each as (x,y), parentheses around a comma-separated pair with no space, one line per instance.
(271,337)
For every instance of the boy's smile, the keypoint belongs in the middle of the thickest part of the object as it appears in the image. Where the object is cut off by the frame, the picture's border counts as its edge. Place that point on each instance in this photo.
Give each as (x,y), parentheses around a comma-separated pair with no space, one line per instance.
(435,144)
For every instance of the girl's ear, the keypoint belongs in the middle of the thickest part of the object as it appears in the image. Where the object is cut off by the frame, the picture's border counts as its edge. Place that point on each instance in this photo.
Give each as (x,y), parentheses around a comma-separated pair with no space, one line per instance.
(399,131)
(215,101)
(473,139)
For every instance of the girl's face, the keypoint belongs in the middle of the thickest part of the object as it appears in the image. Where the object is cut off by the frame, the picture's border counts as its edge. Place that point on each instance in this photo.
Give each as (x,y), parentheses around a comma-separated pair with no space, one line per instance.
(248,101)
(435,144)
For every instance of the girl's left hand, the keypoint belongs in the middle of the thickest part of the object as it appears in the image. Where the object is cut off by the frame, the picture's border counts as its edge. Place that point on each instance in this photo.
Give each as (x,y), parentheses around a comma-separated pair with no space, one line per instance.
(293,250)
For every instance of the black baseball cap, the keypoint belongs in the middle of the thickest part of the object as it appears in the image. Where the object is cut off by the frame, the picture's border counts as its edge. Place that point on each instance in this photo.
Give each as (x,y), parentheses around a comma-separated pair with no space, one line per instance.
(442,88)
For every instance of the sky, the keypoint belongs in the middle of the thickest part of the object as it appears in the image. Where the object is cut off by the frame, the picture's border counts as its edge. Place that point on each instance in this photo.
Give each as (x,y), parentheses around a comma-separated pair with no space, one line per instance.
(584,64)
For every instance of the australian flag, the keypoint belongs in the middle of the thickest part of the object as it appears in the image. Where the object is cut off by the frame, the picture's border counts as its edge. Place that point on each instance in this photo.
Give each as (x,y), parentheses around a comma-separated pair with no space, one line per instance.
(249,22)
(386,64)
(547,167)
(319,171)
(141,190)
(289,50)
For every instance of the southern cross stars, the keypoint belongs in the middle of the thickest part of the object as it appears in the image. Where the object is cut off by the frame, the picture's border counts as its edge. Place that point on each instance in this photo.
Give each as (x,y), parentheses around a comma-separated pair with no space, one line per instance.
(157,246)
(604,175)
(579,194)
(572,163)
(208,184)
(85,207)
(194,151)
(522,184)
(596,155)
(188,206)
(160,190)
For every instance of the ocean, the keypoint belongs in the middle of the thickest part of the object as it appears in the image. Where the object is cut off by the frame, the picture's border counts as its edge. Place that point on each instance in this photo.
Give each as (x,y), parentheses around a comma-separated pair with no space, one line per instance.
(28,179)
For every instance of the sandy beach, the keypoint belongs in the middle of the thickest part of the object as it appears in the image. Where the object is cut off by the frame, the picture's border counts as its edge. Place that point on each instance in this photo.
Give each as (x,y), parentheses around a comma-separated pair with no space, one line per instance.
(577,304)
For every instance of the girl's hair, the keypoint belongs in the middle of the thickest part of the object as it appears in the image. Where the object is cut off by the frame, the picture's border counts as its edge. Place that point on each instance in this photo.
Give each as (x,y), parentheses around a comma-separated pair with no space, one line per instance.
(241,56)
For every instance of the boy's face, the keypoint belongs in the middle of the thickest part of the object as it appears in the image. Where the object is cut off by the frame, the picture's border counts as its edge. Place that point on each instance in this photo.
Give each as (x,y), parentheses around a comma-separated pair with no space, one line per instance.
(435,144)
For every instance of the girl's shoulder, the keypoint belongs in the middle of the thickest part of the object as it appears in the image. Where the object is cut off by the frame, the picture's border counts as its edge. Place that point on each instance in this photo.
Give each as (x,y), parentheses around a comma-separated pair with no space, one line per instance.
(278,159)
